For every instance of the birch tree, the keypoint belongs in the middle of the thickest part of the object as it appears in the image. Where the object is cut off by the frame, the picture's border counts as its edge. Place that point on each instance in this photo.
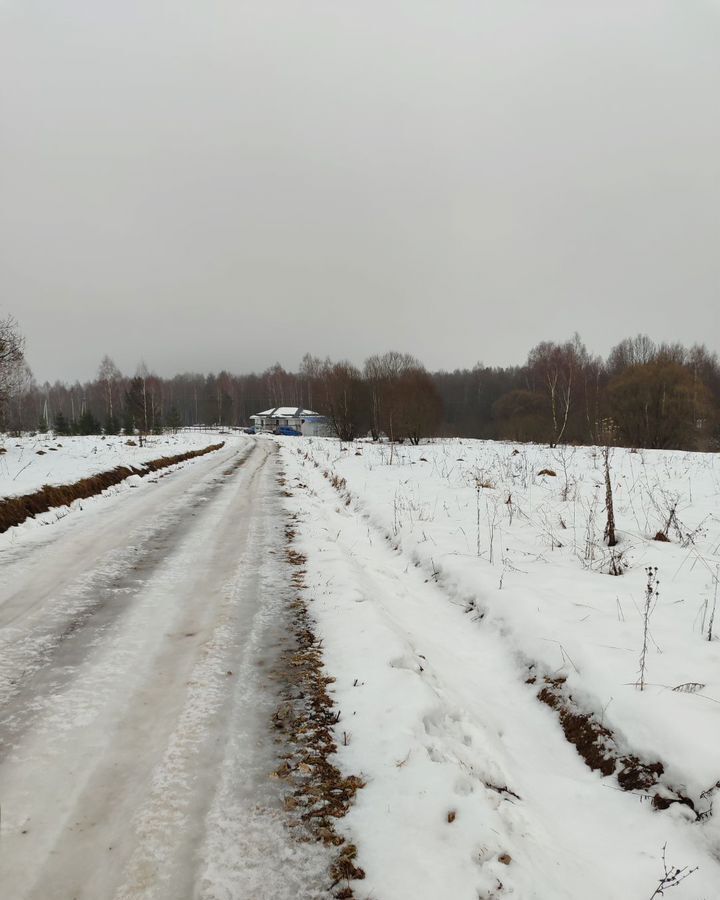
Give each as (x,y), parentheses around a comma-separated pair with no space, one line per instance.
(12,359)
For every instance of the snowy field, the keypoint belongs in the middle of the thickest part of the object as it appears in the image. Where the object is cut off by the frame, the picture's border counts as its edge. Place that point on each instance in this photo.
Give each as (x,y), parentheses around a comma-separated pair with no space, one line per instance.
(450,585)
(29,463)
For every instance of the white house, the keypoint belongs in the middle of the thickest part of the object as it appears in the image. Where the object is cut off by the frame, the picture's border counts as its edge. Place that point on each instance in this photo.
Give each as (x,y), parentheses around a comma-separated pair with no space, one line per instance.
(305,421)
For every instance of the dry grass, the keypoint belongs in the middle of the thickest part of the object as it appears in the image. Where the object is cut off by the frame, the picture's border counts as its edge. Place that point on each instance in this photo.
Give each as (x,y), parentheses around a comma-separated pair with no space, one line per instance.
(340,485)
(484,483)
(15,510)
(317,792)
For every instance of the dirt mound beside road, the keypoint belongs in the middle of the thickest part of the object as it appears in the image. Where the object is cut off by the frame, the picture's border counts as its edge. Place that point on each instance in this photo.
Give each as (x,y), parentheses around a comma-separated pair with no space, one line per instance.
(15,510)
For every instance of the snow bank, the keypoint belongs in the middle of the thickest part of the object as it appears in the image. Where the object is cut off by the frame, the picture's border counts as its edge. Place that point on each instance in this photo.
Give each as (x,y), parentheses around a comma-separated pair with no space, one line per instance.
(30,463)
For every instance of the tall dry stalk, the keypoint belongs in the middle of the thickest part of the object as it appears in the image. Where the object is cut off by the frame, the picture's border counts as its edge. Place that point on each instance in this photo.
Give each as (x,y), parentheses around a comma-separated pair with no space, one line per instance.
(609,506)
(651,597)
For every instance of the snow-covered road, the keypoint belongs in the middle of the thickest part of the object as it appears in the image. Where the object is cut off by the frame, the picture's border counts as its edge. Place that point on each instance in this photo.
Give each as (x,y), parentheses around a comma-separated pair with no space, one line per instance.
(137,639)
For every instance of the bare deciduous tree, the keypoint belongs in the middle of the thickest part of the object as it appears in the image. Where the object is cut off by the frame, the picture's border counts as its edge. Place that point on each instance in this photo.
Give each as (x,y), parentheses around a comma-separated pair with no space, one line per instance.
(13,369)
(344,399)
(110,376)
(558,367)
(382,374)
(420,405)
(637,351)
(311,369)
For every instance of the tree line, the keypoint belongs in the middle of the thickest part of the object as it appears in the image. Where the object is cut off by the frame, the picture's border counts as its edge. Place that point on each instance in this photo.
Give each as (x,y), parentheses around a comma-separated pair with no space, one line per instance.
(643,394)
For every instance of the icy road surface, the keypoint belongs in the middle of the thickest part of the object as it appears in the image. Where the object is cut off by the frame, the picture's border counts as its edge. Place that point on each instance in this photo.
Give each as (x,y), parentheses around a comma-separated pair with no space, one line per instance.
(136,642)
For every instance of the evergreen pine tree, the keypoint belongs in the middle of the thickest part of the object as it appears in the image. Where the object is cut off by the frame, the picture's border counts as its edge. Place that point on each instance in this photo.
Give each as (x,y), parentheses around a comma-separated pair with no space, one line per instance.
(135,405)
(88,424)
(62,426)
(112,425)
(174,421)
(128,422)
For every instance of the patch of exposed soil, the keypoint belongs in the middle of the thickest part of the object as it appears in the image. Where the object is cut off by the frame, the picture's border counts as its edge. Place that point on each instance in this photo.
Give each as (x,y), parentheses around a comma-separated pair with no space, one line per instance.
(597,745)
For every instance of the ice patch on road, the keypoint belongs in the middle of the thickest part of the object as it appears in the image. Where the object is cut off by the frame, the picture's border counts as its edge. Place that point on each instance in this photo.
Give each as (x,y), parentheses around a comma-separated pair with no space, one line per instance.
(250,854)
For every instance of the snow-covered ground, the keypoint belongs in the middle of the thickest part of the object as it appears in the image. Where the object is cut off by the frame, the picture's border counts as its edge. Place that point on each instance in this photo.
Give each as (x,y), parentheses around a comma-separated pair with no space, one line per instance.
(445,581)
(29,463)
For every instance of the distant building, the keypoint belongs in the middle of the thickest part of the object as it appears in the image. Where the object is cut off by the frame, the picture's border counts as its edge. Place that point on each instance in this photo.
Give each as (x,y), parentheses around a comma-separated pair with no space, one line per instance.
(303,421)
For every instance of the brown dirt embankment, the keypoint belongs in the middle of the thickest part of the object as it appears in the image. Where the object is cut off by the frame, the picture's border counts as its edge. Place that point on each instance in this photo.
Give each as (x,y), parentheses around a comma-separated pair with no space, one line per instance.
(598,746)
(15,510)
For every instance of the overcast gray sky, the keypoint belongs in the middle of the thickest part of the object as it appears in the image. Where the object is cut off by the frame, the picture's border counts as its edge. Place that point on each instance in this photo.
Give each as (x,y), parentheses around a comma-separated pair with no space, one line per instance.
(222,184)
